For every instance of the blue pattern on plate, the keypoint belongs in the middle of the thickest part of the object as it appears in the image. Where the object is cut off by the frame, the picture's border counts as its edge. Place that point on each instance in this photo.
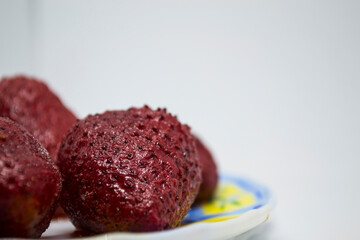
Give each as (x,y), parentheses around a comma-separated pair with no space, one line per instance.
(260,194)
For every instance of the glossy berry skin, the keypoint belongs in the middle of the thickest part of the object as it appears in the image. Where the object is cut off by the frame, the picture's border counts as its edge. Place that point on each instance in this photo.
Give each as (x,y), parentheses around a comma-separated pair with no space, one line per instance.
(134,170)
(30,183)
(209,173)
(32,104)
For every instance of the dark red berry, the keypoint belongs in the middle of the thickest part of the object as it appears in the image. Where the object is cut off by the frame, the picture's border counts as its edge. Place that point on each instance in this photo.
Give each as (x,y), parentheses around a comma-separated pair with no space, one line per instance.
(208,171)
(30,183)
(32,104)
(134,170)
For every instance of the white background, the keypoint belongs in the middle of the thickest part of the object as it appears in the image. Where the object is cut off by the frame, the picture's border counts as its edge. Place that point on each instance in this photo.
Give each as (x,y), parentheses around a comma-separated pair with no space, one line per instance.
(271,86)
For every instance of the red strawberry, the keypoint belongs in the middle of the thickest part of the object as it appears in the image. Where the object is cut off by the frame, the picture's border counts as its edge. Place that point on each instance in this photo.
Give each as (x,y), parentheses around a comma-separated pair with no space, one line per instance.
(208,171)
(30,183)
(32,104)
(134,170)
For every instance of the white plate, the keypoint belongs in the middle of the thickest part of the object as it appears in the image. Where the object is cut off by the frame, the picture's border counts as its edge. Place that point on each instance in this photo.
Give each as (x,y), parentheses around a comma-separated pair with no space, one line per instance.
(239,206)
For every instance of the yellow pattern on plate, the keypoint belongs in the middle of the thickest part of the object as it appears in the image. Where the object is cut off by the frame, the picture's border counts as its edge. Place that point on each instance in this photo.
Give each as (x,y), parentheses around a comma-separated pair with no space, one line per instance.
(228,197)
(220,218)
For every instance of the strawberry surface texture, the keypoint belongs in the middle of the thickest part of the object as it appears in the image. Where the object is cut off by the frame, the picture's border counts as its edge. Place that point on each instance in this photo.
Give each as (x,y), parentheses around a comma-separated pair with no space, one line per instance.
(30,183)
(32,104)
(134,170)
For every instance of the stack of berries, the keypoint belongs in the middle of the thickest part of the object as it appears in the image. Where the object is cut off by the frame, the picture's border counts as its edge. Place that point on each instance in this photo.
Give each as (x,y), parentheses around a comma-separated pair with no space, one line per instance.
(134,170)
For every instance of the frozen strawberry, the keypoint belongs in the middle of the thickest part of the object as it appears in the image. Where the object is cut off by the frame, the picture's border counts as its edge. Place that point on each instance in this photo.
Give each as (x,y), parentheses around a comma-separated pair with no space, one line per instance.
(134,170)
(30,183)
(208,171)
(32,104)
